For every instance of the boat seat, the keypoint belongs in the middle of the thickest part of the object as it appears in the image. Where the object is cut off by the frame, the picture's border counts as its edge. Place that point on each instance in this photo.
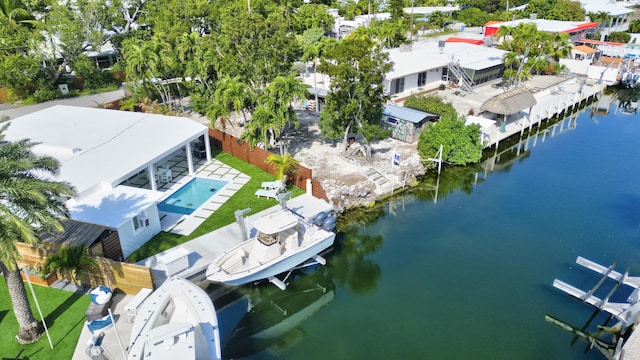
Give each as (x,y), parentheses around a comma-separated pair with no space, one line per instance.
(258,254)
(292,242)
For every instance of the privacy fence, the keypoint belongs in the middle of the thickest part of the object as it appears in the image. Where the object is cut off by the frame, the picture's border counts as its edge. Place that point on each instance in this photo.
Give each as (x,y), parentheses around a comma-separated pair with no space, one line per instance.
(129,278)
(241,149)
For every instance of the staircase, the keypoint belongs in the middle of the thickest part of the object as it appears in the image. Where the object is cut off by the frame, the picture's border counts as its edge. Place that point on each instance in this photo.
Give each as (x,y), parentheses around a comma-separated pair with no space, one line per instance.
(383,184)
(456,69)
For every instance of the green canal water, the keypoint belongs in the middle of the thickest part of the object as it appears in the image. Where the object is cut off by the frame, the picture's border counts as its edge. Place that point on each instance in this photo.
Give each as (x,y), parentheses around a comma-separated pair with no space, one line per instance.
(467,275)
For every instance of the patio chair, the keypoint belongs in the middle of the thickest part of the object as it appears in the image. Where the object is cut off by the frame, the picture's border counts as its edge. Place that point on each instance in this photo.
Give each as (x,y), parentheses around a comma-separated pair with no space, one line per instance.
(271,185)
(271,193)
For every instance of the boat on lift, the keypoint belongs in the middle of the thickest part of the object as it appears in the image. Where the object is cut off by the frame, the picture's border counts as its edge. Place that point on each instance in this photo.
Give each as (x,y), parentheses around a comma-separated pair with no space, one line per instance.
(284,240)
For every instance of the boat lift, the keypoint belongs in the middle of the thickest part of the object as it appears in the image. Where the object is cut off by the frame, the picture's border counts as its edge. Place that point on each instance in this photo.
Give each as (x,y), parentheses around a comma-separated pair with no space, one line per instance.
(626,312)
(281,284)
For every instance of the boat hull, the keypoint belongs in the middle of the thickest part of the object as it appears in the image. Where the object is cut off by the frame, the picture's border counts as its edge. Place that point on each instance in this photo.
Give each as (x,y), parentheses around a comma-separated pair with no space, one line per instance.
(177,320)
(272,268)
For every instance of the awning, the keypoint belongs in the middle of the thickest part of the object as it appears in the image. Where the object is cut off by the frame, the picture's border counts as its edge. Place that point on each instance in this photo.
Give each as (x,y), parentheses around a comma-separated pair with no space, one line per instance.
(584,26)
(465,40)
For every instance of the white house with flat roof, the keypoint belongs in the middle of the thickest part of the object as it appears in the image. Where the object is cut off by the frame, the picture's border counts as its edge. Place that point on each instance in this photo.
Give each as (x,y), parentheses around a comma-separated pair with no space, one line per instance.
(619,15)
(426,64)
(99,150)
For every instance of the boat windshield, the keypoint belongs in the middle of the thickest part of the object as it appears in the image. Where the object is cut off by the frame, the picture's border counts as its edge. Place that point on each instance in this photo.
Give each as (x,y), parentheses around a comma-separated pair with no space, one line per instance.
(266,238)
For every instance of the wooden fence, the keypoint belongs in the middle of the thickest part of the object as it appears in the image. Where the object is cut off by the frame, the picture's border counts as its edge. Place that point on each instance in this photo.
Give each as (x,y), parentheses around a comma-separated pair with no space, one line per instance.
(128,278)
(4,95)
(241,149)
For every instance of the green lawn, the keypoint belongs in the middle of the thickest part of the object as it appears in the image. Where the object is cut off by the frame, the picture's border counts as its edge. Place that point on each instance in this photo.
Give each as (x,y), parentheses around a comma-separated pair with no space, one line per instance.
(242,199)
(64,314)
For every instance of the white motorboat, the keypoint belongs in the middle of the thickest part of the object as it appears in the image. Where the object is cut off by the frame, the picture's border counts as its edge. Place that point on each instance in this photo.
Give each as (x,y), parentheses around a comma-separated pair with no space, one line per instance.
(176,322)
(283,241)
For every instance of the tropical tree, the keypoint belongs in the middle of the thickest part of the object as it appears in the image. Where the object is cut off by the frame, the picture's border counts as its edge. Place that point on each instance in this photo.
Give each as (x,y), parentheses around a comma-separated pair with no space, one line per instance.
(71,262)
(461,143)
(264,126)
(314,48)
(30,204)
(145,62)
(284,165)
(230,93)
(473,16)
(358,67)
(274,113)
(16,12)
(310,16)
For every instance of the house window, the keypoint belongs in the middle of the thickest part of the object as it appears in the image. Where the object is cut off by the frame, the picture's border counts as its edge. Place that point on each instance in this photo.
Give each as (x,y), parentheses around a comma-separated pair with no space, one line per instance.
(397,86)
(422,78)
(140,221)
(391,121)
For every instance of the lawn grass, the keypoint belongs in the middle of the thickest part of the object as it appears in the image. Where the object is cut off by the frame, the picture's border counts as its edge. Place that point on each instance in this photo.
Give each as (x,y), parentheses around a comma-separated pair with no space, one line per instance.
(64,314)
(242,199)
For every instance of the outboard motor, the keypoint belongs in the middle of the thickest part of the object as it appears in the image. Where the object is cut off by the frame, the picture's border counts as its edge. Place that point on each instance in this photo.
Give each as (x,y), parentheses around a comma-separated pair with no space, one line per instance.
(319,219)
(329,223)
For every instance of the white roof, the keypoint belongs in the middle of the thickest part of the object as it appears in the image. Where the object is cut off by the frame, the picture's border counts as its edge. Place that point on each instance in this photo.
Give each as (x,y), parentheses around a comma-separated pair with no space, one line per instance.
(482,121)
(610,7)
(276,222)
(550,26)
(426,10)
(97,146)
(426,55)
(112,207)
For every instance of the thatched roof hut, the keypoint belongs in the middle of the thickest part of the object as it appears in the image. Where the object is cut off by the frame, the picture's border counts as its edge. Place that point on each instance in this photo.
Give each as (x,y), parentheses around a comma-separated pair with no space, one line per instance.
(510,102)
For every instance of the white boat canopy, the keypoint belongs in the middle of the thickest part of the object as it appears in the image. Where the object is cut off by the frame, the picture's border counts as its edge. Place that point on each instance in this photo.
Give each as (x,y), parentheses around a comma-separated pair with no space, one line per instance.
(276,222)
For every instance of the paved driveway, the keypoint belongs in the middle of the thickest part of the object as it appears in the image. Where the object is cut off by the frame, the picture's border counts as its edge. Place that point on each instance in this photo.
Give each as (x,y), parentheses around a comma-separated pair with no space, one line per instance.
(83,101)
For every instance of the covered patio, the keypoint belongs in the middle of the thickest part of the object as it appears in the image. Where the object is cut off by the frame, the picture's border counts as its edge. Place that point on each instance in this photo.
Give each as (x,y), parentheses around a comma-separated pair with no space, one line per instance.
(102,152)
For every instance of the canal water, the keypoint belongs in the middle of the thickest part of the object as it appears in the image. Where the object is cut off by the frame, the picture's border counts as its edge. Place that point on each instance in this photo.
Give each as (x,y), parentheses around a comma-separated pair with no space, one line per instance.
(466,272)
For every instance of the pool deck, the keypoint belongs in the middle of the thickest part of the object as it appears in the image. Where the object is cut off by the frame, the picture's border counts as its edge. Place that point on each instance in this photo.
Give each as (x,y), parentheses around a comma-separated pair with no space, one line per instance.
(201,252)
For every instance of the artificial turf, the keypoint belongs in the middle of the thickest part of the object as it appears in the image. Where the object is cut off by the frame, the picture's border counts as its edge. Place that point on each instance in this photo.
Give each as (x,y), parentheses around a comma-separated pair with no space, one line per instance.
(242,199)
(64,315)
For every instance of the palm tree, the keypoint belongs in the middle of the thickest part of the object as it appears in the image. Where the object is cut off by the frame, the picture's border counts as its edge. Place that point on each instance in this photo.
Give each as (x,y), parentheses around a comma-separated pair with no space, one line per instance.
(284,165)
(16,12)
(145,60)
(30,203)
(236,93)
(71,262)
(263,127)
(281,92)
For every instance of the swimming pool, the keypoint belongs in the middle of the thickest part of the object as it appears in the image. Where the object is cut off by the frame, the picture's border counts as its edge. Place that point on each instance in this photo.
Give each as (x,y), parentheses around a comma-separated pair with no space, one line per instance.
(191,195)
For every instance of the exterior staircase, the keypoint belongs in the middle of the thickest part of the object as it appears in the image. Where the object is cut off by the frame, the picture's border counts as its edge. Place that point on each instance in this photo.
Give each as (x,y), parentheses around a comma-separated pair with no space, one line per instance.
(383,183)
(464,81)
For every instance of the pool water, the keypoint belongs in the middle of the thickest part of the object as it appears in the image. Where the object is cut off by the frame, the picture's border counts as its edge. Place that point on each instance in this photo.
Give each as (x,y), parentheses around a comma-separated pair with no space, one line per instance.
(191,195)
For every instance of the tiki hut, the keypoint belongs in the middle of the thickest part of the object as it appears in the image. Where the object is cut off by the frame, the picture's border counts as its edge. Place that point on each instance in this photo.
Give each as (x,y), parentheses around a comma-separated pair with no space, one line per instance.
(510,102)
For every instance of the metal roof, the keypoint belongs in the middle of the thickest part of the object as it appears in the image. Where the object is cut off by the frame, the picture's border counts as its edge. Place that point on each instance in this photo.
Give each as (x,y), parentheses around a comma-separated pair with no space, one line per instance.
(405,113)
(426,55)
(75,233)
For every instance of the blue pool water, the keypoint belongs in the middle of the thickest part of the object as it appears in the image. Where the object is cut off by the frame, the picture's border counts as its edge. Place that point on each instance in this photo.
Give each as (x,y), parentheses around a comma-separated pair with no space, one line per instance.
(191,196)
